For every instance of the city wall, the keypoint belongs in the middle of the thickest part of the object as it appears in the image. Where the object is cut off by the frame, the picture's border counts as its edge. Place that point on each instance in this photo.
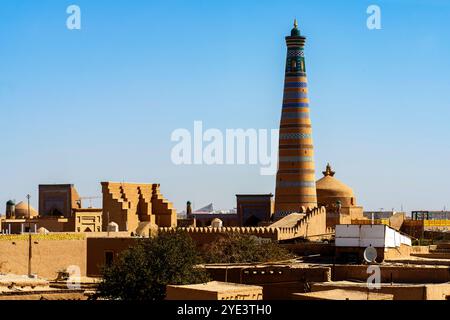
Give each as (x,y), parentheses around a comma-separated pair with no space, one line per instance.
(55,252)
(50,254)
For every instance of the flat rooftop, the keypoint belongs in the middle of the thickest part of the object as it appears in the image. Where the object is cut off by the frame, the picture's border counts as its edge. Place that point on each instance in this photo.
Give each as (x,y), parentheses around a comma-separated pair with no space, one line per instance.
(7,280)
(363,285)
(217,286)
(292,264)
(340,294)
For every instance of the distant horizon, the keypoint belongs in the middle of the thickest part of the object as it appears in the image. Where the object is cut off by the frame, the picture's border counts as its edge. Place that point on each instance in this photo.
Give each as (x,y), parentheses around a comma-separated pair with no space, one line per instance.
(101,103)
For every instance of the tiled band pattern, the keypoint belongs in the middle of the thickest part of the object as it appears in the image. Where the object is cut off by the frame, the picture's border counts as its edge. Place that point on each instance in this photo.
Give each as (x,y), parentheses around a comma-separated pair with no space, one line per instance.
(295,184)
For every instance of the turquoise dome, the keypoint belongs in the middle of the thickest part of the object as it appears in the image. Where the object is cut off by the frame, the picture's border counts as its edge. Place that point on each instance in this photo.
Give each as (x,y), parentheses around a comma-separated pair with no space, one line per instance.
(295,32)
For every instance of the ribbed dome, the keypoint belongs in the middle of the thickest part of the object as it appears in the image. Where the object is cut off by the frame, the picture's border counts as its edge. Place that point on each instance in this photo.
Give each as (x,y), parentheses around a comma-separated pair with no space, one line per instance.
(22,210)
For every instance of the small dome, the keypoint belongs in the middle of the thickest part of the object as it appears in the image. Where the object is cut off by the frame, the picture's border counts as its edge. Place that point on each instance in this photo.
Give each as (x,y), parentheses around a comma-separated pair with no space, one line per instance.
(329,186)
(22,211)
(295,32)
(146,229)
(10,203)
(113,227)
(42,230)
(216,223)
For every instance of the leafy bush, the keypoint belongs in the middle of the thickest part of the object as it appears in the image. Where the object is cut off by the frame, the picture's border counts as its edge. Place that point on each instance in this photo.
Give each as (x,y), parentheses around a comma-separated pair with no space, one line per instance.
(143,271)
(233,248)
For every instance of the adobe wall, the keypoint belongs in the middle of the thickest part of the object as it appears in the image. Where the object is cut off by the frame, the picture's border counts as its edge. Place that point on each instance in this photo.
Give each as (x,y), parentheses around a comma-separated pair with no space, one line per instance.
(437,292)
(97,248)
(124,203)
(438,235)
(238,293)
(49,255)
(396,221)
(203,239)
(228,220)
(120,234)
(400,292)
(45,295)
(420,249)
(310,248)
(413,228)
(433,255)
(53,225)
(395,274)
(128,204)
(278,282)
(206,235)
(61,197)
(348,254)
(343,253)
(403,251)
(313,224)
(259,206)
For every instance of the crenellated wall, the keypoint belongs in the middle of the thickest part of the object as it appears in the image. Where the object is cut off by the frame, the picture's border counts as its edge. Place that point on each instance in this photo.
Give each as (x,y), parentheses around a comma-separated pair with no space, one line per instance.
(206,234)
(312,224)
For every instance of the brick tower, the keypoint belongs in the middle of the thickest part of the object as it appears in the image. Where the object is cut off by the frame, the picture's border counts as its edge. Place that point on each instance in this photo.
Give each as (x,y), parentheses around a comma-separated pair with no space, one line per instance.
(295,184)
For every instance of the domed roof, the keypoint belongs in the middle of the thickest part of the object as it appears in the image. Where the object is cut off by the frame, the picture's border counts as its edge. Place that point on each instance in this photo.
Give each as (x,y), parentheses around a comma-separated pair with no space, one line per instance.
(295,32)
(330,186)
(216,223)
(42,230)
(22,210)
(10,203)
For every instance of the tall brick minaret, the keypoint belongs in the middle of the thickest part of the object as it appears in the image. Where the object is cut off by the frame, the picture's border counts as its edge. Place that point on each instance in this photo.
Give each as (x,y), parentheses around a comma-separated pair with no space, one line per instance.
(295,185)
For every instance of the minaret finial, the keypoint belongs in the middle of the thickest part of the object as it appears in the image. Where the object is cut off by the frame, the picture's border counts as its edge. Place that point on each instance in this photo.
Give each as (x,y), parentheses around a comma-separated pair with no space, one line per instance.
(328,171)
(295,32)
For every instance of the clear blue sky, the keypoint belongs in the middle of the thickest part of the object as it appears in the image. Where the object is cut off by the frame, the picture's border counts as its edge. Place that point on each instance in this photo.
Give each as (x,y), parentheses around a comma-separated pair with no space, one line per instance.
(100,103)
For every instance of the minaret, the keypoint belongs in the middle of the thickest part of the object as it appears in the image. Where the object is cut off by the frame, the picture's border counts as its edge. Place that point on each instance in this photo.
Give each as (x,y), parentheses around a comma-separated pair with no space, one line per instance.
(295,185)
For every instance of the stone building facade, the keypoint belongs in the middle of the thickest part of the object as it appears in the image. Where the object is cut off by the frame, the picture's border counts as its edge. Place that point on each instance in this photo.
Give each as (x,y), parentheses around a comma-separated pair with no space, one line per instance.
(131,205)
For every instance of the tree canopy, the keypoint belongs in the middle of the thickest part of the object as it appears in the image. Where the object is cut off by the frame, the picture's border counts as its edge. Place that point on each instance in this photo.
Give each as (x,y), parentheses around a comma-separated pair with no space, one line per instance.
(235,248)
(143,271)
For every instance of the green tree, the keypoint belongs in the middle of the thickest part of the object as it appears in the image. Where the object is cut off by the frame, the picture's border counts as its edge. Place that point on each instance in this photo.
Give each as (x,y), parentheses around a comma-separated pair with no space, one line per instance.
(235,248)
(143,271)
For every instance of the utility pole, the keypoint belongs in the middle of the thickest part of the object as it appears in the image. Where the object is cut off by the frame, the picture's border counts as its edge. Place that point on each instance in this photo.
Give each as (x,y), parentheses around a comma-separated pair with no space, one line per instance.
(30,252)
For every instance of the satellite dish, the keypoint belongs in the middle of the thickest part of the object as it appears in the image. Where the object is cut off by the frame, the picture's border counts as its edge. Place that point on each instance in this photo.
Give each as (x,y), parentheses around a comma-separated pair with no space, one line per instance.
(370,254)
